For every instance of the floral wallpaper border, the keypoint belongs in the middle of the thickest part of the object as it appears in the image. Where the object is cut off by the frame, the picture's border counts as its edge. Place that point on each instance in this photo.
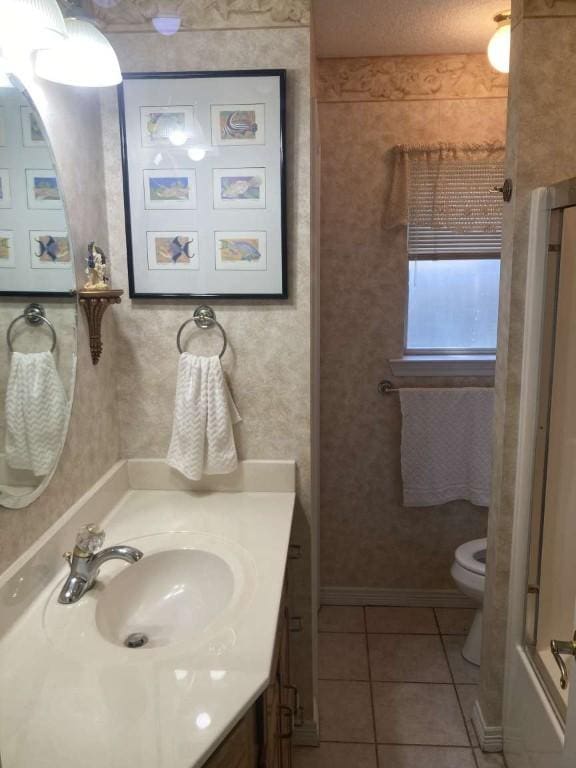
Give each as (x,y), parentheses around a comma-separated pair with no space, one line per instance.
(137,15)
(397,78)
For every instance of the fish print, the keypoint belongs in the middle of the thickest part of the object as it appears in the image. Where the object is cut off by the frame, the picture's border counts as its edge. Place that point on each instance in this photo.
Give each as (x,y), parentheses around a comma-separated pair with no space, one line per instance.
(240,125)
(178,249)
(240,250)
(49,248)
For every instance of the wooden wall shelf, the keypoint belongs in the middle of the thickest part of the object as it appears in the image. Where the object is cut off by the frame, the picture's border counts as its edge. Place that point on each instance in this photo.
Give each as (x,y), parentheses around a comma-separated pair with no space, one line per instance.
(95,303)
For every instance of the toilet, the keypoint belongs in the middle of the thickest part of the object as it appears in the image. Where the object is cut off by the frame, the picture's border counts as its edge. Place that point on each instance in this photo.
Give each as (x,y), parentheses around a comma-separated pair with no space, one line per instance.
(469,574)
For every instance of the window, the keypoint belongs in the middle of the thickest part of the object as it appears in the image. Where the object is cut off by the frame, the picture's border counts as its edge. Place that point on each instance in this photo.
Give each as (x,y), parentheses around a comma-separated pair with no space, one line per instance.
(454,242)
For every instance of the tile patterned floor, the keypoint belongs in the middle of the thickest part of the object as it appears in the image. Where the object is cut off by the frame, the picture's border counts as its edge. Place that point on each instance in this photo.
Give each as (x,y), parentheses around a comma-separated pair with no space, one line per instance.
(395,691)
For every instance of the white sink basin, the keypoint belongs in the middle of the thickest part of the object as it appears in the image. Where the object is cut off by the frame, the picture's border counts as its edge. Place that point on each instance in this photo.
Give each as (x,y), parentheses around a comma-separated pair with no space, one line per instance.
(168,596)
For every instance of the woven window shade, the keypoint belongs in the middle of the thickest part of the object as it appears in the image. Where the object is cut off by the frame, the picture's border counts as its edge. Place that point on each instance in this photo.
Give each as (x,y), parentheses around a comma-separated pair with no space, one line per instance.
(452,210)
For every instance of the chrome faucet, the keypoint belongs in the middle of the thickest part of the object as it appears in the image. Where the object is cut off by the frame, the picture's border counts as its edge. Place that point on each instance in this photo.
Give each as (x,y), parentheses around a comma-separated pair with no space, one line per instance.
(86,559)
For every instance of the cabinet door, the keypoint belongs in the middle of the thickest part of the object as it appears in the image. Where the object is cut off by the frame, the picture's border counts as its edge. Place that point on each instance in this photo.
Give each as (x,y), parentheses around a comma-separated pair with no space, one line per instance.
(288,703)
(240,748)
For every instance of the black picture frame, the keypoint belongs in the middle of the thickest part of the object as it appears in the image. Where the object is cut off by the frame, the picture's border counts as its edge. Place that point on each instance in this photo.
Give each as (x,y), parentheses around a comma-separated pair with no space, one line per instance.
(134,293)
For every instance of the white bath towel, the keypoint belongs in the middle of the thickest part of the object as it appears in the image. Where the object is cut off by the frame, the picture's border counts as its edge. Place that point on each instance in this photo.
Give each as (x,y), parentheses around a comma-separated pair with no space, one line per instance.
(204,412)
(36,412)
(446,445)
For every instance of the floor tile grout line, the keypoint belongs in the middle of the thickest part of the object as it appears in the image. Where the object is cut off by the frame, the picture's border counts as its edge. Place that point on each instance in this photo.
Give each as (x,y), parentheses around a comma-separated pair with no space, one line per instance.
(400,744)
(456,692)
(370,687)
(387,682)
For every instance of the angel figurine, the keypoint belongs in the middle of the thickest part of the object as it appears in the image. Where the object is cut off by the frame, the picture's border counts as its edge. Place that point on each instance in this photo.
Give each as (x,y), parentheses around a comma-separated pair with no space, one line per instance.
(96,269)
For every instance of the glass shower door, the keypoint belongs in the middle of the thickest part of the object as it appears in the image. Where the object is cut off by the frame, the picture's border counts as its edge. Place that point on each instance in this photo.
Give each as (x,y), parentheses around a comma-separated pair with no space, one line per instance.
(551,592)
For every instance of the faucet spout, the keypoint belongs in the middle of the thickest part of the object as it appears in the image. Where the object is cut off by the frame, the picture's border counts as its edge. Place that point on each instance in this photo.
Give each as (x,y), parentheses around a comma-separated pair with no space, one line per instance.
(118,552)
(86,560)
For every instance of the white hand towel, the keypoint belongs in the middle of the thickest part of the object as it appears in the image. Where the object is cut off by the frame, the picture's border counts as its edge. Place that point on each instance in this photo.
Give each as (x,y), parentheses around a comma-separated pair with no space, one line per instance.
(36,412)
(446,445)
(204,412)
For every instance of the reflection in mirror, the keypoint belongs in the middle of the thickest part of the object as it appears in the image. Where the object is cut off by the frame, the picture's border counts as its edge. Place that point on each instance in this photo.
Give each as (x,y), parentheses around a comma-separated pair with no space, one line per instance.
(37,310)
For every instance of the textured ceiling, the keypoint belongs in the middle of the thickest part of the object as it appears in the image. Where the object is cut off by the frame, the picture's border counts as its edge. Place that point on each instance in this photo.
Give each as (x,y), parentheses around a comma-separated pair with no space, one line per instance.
(393,27)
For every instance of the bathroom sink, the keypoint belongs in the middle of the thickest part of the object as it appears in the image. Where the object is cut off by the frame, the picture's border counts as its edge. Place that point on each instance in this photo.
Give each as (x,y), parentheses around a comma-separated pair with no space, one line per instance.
(165,598)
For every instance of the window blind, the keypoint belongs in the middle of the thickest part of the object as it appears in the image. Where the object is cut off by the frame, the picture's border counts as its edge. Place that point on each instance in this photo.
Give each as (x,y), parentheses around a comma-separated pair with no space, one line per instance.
(452,210)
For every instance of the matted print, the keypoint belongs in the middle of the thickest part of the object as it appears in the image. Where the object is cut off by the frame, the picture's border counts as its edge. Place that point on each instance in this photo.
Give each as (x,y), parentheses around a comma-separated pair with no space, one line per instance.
(7,259)
(170,189)
(42,189)
(3,136)
(5,192)
(32,133)
(239,188)
(173,250)
(241,250)
(242,124)
(50,249)
(166,126)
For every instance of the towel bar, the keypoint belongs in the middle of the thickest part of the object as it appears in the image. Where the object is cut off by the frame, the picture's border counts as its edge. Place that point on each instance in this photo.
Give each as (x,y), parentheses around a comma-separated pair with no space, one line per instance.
(34,314)
(385,387)
(204,317)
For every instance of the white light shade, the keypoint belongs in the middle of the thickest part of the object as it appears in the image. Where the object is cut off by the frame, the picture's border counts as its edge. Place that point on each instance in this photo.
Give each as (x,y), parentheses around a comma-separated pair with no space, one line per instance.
(499,48)
(167,25)
(30,24)
(85,58)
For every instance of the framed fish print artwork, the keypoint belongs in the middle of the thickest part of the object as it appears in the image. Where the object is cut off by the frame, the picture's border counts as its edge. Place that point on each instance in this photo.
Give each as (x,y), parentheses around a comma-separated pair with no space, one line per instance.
(203,156)
(50,249)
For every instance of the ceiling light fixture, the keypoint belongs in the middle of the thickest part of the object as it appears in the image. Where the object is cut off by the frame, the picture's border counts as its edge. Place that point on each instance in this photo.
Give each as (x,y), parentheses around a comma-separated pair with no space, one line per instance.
(499,45)
(167,25)
(28,25)
(84,58)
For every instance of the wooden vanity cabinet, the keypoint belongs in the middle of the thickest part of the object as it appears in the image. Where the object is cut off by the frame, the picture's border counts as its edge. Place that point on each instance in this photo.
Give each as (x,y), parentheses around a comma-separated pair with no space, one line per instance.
(263,738)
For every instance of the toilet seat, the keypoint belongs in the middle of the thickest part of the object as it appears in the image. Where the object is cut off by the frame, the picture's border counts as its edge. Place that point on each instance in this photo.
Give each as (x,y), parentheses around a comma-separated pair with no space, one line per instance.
(470,555)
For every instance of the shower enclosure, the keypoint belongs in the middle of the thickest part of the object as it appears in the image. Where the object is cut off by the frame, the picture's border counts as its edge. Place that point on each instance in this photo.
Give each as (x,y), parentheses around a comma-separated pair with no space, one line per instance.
(540,698)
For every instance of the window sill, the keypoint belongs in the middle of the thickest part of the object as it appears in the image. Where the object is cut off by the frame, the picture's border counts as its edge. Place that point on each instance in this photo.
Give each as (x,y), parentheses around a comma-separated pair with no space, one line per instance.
(444,365)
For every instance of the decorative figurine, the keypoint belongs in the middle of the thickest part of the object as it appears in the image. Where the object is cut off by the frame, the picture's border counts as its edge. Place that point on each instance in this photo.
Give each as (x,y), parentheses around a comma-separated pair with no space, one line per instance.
(96,269)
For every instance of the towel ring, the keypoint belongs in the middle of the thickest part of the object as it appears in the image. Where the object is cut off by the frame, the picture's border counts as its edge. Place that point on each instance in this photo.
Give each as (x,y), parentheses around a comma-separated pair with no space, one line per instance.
(34,314)
(204,317)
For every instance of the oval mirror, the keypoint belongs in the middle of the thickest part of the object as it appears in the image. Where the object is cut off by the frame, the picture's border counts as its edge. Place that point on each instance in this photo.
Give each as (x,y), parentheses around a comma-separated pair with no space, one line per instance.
(37,307)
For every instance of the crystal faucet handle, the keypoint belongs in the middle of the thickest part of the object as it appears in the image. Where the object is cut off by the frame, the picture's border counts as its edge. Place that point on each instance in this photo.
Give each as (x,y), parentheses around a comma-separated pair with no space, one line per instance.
(90,538)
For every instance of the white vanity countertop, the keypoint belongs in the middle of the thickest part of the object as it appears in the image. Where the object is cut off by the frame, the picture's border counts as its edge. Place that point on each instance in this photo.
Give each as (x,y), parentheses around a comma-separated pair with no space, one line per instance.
(69,697)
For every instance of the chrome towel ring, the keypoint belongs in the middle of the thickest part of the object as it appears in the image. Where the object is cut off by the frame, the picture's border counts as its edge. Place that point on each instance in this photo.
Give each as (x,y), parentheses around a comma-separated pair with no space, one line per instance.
(34,314)
(204,317)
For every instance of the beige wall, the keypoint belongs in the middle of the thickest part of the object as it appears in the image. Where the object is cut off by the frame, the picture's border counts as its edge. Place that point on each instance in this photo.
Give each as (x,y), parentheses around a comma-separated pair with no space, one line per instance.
(540,145)
(368,539)
(269,359)
(72,119)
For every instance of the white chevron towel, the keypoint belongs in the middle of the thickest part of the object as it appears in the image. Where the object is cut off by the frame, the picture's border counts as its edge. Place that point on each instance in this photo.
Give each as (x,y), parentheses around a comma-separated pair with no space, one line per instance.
(36,412)
(446,445)
(204,412)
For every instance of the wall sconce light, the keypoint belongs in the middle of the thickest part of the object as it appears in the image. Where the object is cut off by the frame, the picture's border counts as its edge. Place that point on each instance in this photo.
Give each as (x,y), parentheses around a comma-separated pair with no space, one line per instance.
(167,25)
(29,25)
(84,58)
(499,45)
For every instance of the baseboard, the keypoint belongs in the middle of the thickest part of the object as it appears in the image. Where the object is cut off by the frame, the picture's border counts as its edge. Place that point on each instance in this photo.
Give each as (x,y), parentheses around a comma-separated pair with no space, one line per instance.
(420,598)
(490,737)
(308,734)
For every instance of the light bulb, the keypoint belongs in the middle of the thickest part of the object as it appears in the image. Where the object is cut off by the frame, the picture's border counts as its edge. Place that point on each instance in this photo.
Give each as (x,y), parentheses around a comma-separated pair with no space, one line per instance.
(499,45)
(85,58)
